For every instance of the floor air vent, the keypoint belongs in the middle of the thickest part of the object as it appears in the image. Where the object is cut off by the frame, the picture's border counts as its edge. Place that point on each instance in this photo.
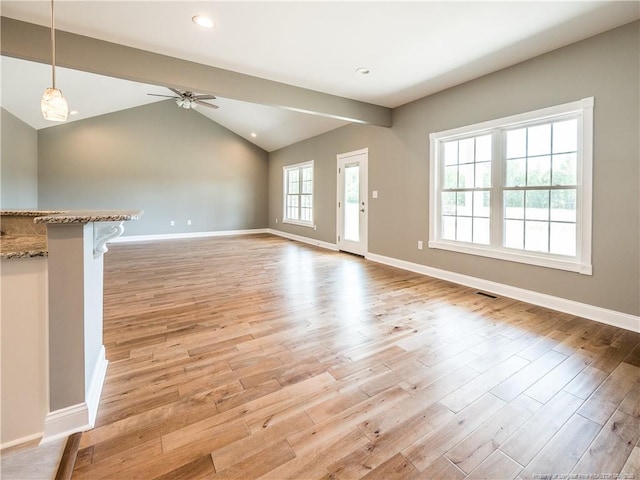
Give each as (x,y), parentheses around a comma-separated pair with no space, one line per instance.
(484,294)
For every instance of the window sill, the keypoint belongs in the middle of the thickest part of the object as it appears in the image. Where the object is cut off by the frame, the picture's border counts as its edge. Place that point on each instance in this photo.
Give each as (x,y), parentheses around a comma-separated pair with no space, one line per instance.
(298,222)
(549,261)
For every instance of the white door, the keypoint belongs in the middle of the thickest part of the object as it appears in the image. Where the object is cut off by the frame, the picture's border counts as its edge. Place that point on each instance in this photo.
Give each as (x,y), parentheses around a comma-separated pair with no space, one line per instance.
(352,202)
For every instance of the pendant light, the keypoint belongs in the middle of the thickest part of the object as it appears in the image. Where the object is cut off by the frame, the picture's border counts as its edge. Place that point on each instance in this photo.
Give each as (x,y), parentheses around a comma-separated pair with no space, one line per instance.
(53,105)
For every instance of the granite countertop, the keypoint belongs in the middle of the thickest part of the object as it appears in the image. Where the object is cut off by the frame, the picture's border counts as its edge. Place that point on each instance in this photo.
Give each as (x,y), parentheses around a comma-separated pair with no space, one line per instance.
(19,240)
(86,216)
(29,213)
(23,246)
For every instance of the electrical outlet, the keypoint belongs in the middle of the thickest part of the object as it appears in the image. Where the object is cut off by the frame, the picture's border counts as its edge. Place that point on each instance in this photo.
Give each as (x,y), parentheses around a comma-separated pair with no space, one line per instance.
(276,220)
(315,227)
(172,223)
(419,244)
(188,222)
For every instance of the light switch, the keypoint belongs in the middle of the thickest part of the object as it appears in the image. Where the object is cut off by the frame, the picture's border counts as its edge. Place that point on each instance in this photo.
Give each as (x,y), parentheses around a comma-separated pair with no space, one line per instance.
(374,194)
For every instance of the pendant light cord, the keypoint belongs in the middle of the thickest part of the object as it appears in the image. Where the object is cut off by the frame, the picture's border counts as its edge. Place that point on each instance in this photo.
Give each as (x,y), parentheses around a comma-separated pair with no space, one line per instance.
(53,48)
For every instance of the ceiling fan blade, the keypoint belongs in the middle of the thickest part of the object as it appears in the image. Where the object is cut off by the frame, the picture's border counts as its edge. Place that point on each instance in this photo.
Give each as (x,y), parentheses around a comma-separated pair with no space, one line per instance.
(208,105)
(158,95)
(204,97)
(177,92)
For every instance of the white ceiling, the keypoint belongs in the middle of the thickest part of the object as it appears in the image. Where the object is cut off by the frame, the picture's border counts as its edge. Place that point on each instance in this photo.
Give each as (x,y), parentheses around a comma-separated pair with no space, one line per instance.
(412,48)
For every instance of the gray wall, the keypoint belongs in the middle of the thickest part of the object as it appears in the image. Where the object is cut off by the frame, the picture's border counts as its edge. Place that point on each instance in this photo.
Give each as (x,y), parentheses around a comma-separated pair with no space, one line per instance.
(18,163)
(606,67)
(174,164)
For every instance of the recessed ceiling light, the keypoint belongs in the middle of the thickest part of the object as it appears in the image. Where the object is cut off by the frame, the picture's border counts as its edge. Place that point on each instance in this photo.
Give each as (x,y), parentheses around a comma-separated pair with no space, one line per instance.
(73,112)
(363,71)
(254,135)
(202,21)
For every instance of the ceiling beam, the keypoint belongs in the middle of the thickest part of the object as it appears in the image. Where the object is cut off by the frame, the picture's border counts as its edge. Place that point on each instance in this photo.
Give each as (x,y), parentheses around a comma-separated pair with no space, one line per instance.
(33,42)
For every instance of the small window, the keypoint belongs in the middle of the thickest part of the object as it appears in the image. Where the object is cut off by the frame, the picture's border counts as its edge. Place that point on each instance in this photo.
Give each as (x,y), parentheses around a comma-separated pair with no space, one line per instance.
(517,188)
(298,194)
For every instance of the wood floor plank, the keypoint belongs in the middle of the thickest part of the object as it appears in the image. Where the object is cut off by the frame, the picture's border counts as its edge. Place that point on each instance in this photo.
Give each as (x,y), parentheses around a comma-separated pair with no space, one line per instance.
(316,463)
(480,444)
(498,465)
(529,439)
(631,468)
(466,394)
(261,462)
(429,448)
(441,468)
(612,447)
(564,450)
(586,382)
(396,468)
(385,445)
(552,382)
(521,380)
(601,405)
(227,360)
(199,468)
(309,439)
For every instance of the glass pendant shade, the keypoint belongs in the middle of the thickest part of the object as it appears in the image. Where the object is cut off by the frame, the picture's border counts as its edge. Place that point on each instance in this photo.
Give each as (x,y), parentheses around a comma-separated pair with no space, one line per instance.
(54,106)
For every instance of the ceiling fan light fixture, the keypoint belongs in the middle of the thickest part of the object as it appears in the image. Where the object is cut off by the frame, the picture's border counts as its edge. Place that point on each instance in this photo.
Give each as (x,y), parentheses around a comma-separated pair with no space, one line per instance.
(54,106)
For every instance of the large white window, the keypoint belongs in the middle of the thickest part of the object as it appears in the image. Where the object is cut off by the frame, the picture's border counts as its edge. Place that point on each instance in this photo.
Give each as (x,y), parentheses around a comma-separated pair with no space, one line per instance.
(516,188)
(298,194)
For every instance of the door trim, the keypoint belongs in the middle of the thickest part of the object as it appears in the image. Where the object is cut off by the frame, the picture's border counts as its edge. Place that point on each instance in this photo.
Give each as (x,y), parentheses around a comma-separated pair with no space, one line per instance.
(365,188)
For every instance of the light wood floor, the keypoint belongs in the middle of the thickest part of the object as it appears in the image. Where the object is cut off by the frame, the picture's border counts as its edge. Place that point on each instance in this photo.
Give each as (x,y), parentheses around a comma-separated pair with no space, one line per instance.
(257,357)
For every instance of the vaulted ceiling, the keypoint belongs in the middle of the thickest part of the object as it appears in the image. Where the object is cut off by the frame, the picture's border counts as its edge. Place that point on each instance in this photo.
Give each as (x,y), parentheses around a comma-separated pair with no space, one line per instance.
(411,49)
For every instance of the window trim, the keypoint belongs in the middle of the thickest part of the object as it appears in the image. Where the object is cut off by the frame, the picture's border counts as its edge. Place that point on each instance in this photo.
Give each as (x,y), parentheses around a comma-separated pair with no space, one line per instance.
(581,263)
(285,170)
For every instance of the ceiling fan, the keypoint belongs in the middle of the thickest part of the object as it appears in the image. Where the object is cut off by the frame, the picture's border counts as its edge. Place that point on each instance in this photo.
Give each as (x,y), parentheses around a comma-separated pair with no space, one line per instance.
(188,99)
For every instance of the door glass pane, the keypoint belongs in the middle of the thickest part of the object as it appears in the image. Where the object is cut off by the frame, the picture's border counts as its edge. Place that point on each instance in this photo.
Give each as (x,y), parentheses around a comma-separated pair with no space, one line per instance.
(352,203)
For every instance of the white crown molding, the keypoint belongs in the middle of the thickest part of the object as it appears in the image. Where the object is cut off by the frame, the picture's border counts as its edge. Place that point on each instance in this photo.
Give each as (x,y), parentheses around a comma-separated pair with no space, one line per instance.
(591,312)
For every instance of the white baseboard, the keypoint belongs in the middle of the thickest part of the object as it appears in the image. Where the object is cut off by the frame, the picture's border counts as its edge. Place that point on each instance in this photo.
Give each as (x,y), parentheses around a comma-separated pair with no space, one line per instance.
(307,240)
(95,388)
(65,422)
(78,418)
(178,236)
(19,441)
(599,314)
